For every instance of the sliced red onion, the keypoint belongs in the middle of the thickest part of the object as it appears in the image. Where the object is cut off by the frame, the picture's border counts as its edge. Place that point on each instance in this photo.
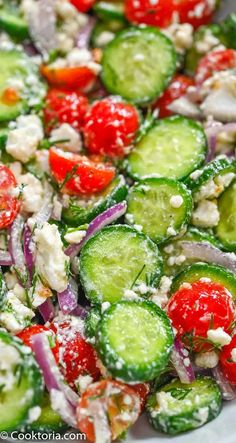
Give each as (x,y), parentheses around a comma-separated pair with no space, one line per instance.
(47,310)
(212,131)
(228,391)
(51,373)
(84,35)
(45,211)
(28,247)
(206,252)
(186,107)
(5,258)
(102,220)
(42,25)
(68,298)
(63,408)
(81,312)
(181,362)
(16,251)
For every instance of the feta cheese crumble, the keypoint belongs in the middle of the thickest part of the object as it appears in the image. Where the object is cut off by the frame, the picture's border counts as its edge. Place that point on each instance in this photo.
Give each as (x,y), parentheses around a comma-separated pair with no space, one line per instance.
(219,336)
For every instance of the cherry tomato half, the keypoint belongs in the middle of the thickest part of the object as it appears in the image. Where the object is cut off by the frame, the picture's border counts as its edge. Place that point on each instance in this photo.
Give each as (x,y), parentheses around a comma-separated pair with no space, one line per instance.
(196,309)
(79,78)
(9,205)
(227,363)
(220,60)
(164,12)
(27,334)
(110,127)
(63,106)
(78,174)
(176,89)
(82,5)
(110,402)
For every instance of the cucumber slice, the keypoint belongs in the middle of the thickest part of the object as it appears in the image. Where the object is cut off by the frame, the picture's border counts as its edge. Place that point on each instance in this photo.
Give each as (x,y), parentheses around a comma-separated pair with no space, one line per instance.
(172,253)
(114,260)
(104,32)
(226,228)
(110,11)
(3,137)
(48,421)
(161,206)
(197,271)
(134,340)
(173,148)
(17,65)
(23,386)
(215,171)
(91,322)
(178,407)
(13,24)
(84,210)
(138,64)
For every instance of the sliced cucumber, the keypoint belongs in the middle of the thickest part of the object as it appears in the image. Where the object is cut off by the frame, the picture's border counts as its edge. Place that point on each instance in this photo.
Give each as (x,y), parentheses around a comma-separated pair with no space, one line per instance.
(201,270)
(226,228)
(21,383)
(104,32)
(114,260)
(179,407)
(172,252)
(173,148)
(13,24)
(110,11)
(84,210)
(91,322)
(134,340)
(161,206)
(138,64)
(3,137)
(48,421)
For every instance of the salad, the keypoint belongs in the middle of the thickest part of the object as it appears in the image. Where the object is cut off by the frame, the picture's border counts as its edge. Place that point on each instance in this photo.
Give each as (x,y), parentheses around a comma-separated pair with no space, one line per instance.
(117,215)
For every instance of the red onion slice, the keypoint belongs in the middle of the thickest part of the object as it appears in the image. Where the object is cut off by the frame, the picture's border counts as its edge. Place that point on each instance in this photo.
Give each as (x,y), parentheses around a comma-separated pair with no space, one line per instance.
(228,391)
(47,310)
(51,373)
(102,220)
(80,312)
(212,132)
(42,25)
(28,247)
(16,251)
(68,299)
(5,258)
(206,252)
(181,362)
(84,35)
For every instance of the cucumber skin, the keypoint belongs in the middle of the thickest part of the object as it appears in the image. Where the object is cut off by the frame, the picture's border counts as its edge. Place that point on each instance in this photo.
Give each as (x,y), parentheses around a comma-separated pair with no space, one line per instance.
(31,372)
(228,246)
(15,26)
(136,29)
(185,421)
(201,270)
(109,11)
(117,195)
(131,373)
(210,170)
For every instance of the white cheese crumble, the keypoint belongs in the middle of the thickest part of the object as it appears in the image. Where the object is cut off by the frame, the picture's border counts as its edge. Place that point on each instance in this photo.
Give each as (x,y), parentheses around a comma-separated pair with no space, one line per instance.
(207,359)
(75,236)
(104,38)
(83,381)
(130,295)
(219,336)
(233,355)
(181,35)
(160,296)
(39,293)
(51,262)
(67,132)
(23,141)
(176,201)
(206,214)
(9,358)
(34,414)
(16,316)
(32,192)
(171,231)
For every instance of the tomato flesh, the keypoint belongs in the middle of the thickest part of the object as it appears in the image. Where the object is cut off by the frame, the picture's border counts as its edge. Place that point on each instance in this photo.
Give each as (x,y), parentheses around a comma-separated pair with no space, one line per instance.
(80,78)
(216,61)
(227,365)
(9,205)
(176,89)
(202,306)
(78,174)
(82,5)
(27,334)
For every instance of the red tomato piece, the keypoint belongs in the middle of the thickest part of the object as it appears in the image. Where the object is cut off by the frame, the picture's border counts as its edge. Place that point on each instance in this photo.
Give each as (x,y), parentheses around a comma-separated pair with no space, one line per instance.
(27,334)
(227,363)
(108,402)
(81,78)
(142,389)
(110,127)
(64,107)
(78,174)
(82,5)
(176,89)
(9,205)
(164,12)
(76,356)
(220,60)
(196,309)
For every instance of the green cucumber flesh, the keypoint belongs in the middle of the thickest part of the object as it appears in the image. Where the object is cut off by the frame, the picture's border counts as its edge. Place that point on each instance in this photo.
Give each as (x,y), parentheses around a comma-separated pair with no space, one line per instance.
(13,24)
(25,390)
(134,340)
(179,407)
(226,228)
(110,11)
(159,204)
(215,273)
(138,64)
(114,260)
(173,148)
